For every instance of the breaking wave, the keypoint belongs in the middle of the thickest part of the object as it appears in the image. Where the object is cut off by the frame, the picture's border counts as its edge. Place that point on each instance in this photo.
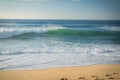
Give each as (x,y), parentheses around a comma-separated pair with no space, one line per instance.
(7,32)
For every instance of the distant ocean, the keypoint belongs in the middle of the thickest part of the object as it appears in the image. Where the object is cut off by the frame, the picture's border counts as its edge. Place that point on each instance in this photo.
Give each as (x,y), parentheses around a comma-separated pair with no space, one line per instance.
(39,44)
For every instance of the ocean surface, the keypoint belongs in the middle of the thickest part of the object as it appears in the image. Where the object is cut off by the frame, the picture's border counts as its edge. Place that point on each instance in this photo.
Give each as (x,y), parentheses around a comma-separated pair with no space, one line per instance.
(40,44)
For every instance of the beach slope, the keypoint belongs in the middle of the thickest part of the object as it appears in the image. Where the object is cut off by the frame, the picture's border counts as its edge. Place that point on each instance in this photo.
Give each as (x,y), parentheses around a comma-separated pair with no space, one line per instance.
(94,72)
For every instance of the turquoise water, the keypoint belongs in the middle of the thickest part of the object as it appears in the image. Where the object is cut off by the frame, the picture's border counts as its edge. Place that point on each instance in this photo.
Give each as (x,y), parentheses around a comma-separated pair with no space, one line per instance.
(38,44)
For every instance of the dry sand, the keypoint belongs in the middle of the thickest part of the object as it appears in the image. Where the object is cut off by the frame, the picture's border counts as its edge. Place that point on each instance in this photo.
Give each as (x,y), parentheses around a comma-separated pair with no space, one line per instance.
(95,72)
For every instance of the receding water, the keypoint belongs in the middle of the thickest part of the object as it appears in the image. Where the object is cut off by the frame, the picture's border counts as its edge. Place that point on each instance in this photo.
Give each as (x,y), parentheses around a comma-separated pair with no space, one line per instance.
(38,44)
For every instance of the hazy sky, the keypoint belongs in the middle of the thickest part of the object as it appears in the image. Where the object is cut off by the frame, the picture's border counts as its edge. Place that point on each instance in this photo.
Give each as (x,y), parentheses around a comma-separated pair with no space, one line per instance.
(60,9)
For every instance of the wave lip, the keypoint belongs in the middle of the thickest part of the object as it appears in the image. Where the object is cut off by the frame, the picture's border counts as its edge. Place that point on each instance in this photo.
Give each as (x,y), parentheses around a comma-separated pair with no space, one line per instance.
(52,29)
(6,32)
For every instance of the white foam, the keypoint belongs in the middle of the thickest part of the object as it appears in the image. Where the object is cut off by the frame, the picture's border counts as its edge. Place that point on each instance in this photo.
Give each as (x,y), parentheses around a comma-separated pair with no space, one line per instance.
(6,32)
(43,60)
(111,28)
(49,54)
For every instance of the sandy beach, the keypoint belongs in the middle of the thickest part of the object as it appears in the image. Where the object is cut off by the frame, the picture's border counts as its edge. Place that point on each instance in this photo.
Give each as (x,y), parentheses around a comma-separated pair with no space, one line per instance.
(94,72)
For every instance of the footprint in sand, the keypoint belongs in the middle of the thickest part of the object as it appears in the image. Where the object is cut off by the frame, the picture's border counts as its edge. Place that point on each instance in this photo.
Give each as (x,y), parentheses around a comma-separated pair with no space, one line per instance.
(115,73)
(83,78)
(111,78)
(94,76)
(63,79)
(99,79)
(107,75)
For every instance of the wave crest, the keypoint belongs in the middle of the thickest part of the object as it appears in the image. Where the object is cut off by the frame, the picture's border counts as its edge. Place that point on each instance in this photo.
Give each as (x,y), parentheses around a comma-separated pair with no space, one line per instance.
(51,29)
(6,32)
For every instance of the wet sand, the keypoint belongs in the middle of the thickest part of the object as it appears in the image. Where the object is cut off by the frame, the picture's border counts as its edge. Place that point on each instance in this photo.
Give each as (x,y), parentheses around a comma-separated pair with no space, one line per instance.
(94,72)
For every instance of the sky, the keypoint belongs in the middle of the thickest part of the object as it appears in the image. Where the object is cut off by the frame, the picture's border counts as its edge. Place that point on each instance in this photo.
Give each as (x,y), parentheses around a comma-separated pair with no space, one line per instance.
(60,9)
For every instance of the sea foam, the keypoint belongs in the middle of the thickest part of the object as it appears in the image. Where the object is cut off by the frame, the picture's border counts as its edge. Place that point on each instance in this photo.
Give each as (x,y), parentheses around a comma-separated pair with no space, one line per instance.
(6,32)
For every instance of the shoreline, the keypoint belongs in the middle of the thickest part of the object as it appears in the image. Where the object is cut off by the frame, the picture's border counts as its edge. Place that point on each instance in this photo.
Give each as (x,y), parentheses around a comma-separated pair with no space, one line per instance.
(90,72)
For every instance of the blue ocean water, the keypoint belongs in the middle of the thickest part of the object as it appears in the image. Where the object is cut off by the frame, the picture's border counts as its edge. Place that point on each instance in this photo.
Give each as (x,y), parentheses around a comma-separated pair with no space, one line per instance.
(39,44)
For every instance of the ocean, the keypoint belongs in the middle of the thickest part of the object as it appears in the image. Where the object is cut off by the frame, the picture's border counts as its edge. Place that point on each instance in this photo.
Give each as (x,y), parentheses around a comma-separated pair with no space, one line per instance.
(27,44)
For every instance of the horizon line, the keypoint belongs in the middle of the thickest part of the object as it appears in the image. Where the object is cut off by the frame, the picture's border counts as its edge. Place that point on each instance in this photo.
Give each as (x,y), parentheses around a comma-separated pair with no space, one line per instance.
(54,19)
